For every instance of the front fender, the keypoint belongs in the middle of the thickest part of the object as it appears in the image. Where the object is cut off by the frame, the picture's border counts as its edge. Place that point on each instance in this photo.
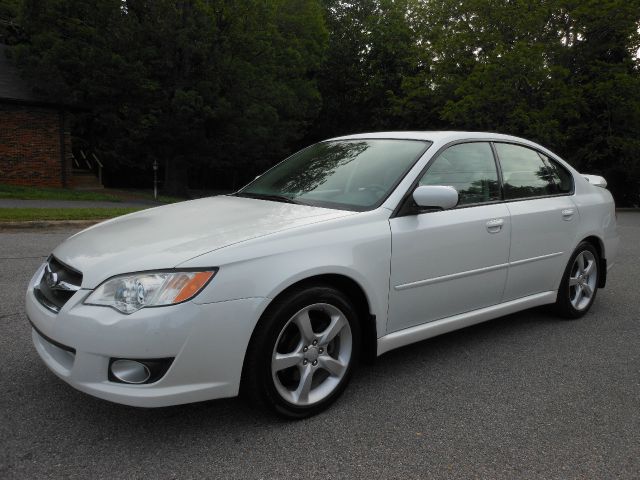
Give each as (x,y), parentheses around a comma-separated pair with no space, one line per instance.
(358,247)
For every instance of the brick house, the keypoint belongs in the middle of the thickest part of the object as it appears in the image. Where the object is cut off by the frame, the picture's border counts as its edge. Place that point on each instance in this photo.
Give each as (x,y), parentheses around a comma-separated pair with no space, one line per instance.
(35,148)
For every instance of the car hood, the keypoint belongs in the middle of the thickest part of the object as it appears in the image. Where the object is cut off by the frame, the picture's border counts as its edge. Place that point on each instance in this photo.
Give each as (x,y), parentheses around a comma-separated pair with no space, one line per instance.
(167,236)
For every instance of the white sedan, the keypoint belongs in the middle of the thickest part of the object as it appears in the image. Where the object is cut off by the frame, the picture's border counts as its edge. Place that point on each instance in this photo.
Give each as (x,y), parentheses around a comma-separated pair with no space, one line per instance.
(347,249)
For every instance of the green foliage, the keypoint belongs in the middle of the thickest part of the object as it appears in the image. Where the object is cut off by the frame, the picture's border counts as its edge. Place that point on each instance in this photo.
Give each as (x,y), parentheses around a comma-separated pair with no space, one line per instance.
(236,84)
(9,30)
(371,50)
(9,10)
(186,83)
(563,73)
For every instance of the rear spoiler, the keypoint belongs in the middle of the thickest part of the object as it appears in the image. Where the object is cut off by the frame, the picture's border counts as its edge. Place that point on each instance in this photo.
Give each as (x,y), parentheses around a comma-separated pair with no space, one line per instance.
(596,180)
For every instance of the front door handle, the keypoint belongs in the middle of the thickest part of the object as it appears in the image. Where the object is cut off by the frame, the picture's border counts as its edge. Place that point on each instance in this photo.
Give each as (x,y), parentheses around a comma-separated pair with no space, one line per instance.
(495,225)
(567,213)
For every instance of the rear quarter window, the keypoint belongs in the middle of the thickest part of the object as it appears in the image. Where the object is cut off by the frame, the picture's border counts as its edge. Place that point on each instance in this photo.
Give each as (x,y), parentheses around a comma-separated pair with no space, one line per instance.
(561,176)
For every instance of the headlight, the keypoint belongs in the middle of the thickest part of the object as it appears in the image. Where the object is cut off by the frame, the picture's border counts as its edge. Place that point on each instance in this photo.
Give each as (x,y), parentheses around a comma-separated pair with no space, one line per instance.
(130,293)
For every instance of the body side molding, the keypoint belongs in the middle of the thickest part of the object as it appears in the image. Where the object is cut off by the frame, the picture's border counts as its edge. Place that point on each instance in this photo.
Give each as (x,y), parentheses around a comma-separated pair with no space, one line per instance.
(438,327)
(453,276)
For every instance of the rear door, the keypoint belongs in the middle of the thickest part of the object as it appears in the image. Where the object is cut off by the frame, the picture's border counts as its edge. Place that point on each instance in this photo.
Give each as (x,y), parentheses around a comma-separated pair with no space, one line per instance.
(544,219)
(449,262)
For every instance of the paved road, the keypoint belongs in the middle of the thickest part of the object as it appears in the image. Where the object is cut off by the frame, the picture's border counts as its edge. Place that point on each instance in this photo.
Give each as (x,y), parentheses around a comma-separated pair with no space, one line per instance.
(524,396)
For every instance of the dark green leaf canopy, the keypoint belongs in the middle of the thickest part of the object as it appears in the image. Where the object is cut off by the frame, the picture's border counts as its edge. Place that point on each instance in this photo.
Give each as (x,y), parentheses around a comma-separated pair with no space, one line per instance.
(216,90)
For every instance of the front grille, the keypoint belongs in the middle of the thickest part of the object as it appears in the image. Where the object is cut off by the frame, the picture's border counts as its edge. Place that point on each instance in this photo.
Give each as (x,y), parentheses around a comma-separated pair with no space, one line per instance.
(58,284)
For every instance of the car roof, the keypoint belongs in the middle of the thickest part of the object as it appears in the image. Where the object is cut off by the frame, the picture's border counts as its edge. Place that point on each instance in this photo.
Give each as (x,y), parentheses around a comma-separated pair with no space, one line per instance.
(439,136)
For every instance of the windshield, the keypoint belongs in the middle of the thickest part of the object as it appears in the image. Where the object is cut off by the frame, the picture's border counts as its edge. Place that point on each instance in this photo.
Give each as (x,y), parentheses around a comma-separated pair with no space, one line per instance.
(344,174)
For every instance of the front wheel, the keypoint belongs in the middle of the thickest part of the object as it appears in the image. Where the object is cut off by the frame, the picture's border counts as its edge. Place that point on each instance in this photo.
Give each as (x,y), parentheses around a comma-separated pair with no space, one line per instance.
(579,284)
(302,353)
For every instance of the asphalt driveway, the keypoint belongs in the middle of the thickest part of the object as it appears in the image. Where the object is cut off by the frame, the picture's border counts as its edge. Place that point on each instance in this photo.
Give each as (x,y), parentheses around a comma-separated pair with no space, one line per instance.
(523,396)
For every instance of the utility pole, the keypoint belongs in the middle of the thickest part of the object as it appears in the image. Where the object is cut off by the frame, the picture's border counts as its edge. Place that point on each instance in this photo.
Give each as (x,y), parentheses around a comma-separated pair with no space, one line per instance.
(155,179)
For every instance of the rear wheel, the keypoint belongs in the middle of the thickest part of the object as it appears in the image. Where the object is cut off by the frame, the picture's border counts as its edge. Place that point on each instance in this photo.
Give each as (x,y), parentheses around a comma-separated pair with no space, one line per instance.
(579,284)
(302,353)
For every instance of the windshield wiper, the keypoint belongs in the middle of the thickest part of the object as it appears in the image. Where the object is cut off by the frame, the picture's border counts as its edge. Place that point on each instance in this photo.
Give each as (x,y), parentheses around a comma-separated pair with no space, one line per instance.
(269,196)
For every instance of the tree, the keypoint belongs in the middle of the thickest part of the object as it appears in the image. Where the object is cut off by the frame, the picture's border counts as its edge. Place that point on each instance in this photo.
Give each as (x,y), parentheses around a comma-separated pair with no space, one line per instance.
(236,84)
(371,49)
(193,84)
(605,70)
(9,29)
(559,72)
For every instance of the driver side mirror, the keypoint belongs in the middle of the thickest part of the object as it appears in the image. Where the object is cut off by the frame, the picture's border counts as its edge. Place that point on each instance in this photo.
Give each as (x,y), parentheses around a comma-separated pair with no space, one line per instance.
(435,197)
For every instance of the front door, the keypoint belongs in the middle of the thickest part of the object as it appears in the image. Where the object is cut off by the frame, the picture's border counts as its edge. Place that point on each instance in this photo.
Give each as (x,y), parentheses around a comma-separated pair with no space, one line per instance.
(454,261)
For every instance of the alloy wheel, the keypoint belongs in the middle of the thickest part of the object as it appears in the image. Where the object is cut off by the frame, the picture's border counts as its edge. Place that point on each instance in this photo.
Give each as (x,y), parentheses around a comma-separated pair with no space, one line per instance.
(312,354)
(582,280)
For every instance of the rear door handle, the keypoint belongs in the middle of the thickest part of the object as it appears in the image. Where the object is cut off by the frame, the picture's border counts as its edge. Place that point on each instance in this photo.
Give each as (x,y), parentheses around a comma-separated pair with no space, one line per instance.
(495,225)
(567,213)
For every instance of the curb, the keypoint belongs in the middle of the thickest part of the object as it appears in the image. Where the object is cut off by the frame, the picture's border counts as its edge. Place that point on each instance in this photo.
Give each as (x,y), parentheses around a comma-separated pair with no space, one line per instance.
(42,224)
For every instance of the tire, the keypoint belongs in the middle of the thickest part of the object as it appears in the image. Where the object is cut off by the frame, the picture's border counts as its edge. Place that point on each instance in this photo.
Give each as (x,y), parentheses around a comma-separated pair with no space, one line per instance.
(302,352)
(579,283)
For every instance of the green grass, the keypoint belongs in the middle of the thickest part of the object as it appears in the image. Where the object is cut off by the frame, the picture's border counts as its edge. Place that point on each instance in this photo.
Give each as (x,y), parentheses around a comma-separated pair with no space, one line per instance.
(37,193)
(40,214)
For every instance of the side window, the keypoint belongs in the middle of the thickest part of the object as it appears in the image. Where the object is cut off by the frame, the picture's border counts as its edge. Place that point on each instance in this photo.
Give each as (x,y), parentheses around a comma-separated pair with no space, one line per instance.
(524,173)
(470,169)
(561,176)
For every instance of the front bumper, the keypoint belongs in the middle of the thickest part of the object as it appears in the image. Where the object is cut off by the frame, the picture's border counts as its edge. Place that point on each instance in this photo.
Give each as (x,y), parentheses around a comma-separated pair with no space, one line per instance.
(208,342)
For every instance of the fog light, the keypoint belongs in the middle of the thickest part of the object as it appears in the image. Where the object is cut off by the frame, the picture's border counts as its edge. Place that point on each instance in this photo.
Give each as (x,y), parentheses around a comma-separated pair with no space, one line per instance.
(130,371)
(138,371)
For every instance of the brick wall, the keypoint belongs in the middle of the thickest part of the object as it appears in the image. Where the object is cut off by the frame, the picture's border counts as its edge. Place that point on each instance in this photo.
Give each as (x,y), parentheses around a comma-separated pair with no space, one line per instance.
(30,147)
